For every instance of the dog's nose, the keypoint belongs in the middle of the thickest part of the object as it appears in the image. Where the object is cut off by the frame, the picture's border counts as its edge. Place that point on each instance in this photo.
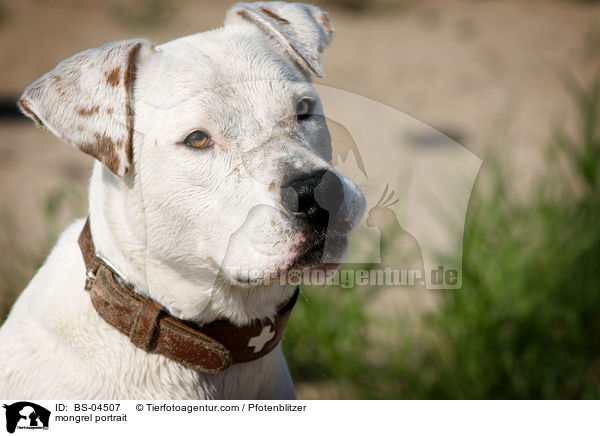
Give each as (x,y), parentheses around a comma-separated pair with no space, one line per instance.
(316,196)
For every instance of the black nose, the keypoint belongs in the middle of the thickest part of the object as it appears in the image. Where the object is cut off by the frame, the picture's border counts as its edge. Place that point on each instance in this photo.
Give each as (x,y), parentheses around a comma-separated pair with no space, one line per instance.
(316,196)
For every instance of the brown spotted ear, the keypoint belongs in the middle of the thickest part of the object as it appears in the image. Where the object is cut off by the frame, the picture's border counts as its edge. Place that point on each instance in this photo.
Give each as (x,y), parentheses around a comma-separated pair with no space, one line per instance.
(84,101)
(303,30)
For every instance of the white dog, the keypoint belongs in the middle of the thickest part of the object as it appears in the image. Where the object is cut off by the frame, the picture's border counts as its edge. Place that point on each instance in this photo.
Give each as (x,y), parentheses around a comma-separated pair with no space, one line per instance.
(214,180)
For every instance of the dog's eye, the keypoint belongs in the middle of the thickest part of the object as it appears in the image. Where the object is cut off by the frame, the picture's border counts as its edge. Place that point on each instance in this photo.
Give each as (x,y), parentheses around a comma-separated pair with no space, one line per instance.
(304,108)
(197,139)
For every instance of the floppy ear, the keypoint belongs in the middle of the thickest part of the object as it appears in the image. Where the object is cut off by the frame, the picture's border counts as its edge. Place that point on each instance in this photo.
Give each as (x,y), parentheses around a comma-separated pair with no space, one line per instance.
(303,30)
(84,101)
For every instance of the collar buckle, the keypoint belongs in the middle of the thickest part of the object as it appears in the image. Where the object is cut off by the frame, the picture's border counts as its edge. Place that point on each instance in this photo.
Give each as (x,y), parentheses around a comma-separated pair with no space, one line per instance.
(90,274)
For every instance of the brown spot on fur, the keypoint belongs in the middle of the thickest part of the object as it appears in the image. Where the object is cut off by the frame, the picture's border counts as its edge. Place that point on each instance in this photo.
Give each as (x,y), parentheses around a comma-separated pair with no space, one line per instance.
(113,77)
(272,223)
(88,112)
(326,23)
(238,177)
(58,85)
(274,15)
(130,69)
(109,111)
(271,185)
(129,75)
(27,111)
(106,150)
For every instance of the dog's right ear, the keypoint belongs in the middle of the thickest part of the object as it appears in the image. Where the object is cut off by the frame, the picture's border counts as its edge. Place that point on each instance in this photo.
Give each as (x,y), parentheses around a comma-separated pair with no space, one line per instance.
(302,30)
(85,101)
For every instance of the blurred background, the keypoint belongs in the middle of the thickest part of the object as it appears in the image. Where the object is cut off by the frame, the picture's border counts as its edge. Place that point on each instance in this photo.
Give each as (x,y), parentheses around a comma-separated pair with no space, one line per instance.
(515,82)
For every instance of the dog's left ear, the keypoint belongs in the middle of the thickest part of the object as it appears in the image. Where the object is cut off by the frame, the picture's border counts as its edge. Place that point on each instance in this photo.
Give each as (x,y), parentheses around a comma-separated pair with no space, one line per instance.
(85,101)
(303,30)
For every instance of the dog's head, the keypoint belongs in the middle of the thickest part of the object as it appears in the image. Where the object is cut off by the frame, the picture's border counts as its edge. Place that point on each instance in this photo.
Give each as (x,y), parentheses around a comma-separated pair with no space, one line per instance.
(220,134)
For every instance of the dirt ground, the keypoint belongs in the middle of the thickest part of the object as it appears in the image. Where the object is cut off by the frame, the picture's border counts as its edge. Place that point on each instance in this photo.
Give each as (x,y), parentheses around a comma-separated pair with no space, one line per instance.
(487,73)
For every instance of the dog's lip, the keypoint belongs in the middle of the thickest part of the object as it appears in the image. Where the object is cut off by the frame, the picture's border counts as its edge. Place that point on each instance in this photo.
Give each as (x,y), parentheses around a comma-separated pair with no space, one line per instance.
(315,248)
(304,260)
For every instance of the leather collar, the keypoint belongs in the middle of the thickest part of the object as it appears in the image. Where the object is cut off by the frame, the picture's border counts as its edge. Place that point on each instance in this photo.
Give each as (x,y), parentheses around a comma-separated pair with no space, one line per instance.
(208,348)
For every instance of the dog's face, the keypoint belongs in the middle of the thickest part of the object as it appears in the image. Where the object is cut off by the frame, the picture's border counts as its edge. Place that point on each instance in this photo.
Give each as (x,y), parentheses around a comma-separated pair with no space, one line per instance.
(230,137)
(223,137)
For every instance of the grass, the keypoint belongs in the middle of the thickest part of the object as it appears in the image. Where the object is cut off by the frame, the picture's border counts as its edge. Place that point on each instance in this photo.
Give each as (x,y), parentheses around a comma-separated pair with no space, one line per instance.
(524,325)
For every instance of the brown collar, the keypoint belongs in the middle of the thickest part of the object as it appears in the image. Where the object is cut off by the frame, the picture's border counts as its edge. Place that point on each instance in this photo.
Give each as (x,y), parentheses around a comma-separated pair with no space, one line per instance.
(208,348)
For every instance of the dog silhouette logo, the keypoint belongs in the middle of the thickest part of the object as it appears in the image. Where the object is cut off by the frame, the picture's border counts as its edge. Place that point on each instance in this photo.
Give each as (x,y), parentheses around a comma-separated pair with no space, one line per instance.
(26,415)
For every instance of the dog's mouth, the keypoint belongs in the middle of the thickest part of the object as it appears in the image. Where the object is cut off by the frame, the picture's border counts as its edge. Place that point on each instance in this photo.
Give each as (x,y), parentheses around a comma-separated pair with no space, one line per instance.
(309,256)
(323,253)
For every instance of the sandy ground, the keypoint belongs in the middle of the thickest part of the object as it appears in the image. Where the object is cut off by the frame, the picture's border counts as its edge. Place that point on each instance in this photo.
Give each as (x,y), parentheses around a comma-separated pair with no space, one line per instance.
(488,74)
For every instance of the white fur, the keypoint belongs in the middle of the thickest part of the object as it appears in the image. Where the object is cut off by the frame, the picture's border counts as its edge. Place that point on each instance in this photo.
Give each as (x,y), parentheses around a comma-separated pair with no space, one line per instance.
(182,223)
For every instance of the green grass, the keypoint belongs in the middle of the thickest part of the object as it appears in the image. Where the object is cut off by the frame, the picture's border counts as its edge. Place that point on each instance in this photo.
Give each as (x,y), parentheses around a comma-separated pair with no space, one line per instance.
(524,325)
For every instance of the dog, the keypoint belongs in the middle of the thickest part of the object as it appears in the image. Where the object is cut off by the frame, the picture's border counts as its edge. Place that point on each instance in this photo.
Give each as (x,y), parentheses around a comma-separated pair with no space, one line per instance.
(212,181)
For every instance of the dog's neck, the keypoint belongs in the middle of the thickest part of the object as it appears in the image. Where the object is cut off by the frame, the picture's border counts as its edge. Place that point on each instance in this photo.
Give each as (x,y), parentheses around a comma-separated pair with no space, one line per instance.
(118,226)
